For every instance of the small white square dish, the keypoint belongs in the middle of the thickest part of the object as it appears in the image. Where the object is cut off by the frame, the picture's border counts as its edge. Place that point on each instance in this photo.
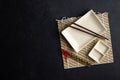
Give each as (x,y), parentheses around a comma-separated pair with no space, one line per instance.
(96,55)
(98,51)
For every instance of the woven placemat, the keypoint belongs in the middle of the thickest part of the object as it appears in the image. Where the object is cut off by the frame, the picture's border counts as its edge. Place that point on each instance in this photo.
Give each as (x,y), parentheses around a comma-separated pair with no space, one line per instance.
(81,59)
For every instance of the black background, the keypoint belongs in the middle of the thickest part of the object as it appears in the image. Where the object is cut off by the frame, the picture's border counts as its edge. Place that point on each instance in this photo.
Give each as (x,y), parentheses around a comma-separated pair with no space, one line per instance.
(30,46)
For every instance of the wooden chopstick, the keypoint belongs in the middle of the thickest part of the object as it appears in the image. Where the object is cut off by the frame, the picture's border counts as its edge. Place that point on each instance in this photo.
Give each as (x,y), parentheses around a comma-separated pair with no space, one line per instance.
(87,32)
(92,32)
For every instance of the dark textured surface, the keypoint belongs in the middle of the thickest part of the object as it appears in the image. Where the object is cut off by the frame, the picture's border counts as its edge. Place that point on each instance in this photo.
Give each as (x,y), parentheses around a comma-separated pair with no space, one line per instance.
(30,48)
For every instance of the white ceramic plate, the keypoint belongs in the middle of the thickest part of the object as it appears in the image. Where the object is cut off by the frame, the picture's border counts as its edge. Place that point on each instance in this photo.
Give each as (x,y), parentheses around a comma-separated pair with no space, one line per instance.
(79,39)
(92,22)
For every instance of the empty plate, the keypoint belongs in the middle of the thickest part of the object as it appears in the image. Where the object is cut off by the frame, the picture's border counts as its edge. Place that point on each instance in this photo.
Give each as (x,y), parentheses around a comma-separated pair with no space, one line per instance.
(98,51)
(79,39)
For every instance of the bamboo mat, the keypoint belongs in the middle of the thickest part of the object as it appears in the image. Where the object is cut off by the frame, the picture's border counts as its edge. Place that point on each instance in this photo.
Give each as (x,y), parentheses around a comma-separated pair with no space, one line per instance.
(73,62)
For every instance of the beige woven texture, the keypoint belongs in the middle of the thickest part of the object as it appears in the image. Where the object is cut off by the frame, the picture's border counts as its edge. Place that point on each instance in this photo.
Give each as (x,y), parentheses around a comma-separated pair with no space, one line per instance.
(83,54)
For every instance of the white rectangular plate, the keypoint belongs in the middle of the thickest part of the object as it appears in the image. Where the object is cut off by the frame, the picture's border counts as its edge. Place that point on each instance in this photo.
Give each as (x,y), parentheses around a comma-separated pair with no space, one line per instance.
(76,38)
(91,22)
(79,39)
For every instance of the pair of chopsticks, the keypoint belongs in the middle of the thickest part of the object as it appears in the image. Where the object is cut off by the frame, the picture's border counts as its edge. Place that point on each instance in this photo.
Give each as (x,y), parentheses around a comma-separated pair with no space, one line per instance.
(88,31)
